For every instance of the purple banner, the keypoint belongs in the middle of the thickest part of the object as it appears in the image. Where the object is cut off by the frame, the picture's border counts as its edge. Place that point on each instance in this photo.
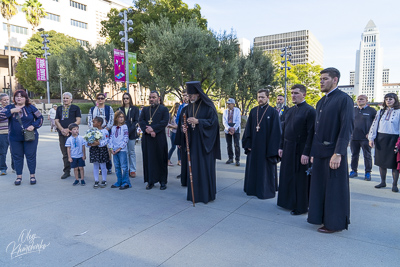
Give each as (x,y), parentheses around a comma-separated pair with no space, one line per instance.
(119,65)
(41,69)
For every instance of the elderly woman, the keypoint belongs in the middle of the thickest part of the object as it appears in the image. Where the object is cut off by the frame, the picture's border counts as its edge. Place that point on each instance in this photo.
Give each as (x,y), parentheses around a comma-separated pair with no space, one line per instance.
(65,115)
(22,112)
(383,135)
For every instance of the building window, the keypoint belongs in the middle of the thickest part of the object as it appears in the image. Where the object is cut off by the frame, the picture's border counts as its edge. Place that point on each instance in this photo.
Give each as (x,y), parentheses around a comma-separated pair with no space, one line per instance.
(78,24)
(53,17)
(77,5)
(83,43)
(13,48)
(16,29)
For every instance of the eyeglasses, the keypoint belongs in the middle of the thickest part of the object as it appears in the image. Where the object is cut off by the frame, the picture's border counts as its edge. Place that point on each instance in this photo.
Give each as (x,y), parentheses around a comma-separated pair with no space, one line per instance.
(100,98)
(126,98)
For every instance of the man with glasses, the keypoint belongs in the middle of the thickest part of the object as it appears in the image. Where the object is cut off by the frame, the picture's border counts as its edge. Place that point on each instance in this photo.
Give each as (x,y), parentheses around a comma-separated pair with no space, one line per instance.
(65,115)
(106,113)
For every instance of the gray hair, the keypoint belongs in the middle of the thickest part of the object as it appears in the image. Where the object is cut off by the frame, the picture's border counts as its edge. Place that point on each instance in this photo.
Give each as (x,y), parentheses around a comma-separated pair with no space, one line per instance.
(68,94)
(2,95)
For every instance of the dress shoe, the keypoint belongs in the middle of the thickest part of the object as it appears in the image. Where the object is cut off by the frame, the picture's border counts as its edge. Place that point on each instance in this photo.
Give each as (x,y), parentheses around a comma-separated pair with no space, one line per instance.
(324,230)
(295,212)
(132,174)
(395,189)
(237,163)
(163,187)
(65,175)
(123,187)
(149,186)
(179,176)
(114,186)
(229,161)
(380,185)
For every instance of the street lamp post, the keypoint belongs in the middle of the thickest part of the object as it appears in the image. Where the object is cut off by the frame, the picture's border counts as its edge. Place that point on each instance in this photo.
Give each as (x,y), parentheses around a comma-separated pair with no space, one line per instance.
(46,53)
(285,56)
(125,40)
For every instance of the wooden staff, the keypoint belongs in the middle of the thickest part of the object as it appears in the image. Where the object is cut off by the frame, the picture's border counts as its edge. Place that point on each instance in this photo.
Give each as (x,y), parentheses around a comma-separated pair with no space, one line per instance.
(188,156)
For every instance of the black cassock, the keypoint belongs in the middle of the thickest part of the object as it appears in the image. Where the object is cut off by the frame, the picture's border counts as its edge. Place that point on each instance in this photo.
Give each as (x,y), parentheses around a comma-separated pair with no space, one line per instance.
(155,149)
(260,176)
(184,162)
(296,140)
(204,148)
(329,189)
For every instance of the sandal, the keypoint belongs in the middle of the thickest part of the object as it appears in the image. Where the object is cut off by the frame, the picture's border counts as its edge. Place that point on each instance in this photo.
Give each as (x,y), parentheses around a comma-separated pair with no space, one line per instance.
(18,181)
(33,180)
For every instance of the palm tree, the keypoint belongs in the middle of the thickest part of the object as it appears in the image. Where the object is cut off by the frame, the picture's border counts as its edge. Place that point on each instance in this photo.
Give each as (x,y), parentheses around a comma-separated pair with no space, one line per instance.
(8,10)
(34,12)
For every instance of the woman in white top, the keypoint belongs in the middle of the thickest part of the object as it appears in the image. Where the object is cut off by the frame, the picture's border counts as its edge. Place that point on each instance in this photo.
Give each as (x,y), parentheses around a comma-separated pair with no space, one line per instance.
(383,135)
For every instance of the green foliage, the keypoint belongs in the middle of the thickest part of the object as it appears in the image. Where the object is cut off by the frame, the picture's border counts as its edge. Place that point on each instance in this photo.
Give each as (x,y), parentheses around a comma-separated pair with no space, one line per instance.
(256,71)
(145,12)
(34,12)
(8,8)
(85,107)
(175,54)
(26,68)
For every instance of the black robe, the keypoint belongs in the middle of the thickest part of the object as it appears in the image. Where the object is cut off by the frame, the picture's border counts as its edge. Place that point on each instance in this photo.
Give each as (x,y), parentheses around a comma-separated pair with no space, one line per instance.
(184,162)
(260,175)
(204,145)
(329,189)
(155,150)
(296,140)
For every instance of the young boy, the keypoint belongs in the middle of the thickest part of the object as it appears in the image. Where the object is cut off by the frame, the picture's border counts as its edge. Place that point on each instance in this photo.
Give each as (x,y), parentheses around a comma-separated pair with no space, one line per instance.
(76,152)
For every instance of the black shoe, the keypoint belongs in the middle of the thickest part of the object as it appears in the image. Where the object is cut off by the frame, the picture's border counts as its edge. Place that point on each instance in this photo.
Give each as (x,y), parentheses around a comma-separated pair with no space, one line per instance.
(103,184)
(395,189)
(179,176)
(163,187)
(237,163)
(229,161)
(123,187)
(109,171)
(114,186)
(380,185)
(65,175)
(295,212)
(149,186)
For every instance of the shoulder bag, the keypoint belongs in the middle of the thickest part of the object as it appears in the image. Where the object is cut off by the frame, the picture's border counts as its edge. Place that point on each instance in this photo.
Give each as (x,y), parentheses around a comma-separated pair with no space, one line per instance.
(28,135)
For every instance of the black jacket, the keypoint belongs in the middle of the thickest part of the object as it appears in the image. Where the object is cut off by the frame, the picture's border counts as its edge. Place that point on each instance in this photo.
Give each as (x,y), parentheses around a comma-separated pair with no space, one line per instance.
(132,118)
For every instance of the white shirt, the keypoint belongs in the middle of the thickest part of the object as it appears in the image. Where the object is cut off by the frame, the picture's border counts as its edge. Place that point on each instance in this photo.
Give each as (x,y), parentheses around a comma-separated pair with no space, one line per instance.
(119,138)
(76,144)
(52,113)
(237,119)
(389,123)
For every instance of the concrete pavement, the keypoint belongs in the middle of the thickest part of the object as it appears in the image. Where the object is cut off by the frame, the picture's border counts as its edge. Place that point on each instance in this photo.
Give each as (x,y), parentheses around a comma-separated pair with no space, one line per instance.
(82,226)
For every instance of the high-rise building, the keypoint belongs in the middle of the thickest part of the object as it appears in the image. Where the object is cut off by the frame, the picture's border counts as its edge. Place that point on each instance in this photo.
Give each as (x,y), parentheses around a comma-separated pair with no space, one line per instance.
(352,77)
(385,76)
(369,71)
(305,46)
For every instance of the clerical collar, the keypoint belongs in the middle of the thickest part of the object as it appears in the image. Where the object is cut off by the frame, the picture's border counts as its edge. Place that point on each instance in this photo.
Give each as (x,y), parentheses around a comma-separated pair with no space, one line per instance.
(263,106)
(301,103)
(331,91)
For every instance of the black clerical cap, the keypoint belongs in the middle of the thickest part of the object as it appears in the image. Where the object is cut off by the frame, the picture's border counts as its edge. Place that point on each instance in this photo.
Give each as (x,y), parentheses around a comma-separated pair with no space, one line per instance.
(193,87)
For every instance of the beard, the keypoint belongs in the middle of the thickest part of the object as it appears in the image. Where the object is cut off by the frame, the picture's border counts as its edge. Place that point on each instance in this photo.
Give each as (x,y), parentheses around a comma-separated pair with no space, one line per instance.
(280,105)
(194,100)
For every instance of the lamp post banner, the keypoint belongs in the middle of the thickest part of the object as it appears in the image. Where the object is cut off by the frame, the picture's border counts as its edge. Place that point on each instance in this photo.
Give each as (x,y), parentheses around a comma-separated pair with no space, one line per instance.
(119,65)
(41,69)
(132,67)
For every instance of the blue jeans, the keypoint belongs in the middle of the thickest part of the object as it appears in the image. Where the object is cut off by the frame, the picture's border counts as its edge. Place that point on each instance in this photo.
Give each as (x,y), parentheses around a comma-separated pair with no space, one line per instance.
(121,169)
(173,147)
(132,155)
(3,151)
(27,149)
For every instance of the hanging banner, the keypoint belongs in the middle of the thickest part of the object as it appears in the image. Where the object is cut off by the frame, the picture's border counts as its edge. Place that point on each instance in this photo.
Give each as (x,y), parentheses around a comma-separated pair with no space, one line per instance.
(119,65)
(41,69)
(132,67)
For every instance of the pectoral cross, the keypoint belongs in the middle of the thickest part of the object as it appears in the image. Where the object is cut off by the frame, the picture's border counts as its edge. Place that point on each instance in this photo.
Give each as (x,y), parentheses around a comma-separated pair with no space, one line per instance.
(257,128)
(193,126)
(150,121)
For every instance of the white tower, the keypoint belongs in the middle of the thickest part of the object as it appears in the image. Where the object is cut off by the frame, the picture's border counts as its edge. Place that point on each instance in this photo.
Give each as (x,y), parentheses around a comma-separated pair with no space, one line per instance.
(368,74)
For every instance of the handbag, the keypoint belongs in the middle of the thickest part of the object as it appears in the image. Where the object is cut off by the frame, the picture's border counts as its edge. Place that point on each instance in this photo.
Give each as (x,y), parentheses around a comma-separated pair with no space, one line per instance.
(28,135)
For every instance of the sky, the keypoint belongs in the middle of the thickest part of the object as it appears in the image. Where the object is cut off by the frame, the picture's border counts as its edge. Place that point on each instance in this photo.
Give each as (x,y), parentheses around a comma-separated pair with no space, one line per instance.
(337,25)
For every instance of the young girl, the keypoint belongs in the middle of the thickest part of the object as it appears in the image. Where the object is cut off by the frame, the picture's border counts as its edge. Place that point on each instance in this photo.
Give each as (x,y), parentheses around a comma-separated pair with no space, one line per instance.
(99,154)
(118,146)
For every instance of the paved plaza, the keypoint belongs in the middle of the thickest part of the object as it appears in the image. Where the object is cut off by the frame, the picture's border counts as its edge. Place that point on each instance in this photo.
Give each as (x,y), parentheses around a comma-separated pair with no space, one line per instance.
(80,226)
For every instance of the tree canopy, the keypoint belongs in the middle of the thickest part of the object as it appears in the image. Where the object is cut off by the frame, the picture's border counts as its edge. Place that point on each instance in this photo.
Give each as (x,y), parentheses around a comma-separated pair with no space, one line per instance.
(145,12)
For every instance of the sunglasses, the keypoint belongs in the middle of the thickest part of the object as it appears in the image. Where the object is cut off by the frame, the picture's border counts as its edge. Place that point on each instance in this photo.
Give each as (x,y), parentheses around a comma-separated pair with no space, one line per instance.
(100,98)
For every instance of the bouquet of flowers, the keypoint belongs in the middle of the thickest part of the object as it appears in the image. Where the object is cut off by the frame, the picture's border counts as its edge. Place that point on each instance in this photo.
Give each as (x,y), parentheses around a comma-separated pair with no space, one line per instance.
(92,135)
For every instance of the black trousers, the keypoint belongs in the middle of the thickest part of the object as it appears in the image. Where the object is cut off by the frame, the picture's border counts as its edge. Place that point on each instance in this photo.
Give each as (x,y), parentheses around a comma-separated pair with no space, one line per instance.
(355,146)
(62,139)
(236,138)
